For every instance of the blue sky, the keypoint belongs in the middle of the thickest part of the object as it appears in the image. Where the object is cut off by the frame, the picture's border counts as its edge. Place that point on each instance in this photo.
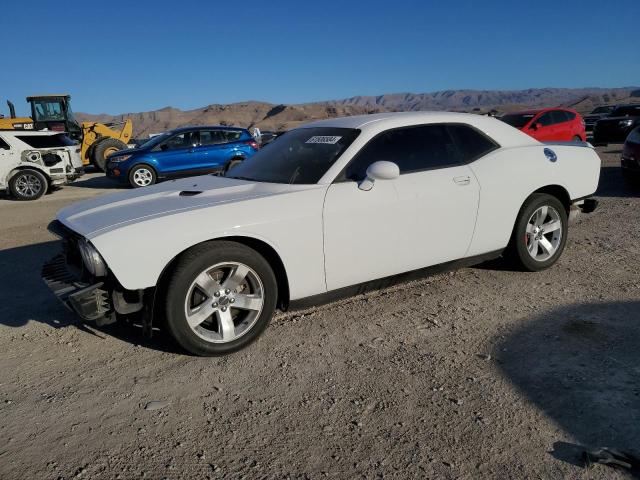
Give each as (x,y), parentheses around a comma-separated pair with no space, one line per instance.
(117,57)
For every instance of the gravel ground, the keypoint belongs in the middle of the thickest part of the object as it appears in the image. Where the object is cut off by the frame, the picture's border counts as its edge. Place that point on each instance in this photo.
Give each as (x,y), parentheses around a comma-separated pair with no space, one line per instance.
(478,373)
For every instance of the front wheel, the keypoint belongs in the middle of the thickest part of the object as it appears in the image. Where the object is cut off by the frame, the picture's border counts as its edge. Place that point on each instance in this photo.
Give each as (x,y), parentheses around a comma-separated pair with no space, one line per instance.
(142,176)
(220,297)
(540,233)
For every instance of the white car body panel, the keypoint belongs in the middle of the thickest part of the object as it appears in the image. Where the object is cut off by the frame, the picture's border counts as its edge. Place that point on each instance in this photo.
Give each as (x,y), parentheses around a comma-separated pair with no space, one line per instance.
(397,225)
(13,158)
(159,223)
(331,235)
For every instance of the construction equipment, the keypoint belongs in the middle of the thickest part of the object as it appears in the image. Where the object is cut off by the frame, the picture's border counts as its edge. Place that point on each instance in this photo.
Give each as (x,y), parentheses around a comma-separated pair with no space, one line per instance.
(53,112)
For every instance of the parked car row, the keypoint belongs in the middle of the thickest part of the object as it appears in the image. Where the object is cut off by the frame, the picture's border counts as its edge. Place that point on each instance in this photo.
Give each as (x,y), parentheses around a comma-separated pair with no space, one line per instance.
(197,150)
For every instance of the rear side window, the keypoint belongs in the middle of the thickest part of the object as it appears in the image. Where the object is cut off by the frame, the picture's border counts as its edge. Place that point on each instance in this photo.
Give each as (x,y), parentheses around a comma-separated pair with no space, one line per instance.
(570,115)
(559,116)
(413,149)
(546,119)
(471,143)
(233,135)
(4,145)
(212,137)
(46,141)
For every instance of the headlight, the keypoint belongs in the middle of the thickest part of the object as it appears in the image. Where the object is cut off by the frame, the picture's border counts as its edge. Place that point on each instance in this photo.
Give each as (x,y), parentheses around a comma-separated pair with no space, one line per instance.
(119,159)
(92,259)
(625,123)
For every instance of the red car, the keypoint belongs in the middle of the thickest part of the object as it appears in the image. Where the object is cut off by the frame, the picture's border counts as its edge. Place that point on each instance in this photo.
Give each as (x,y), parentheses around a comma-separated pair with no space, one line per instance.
(549,124)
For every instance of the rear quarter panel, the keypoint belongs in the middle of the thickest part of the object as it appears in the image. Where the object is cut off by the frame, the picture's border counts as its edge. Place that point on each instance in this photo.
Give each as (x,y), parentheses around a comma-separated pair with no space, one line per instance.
(508,176)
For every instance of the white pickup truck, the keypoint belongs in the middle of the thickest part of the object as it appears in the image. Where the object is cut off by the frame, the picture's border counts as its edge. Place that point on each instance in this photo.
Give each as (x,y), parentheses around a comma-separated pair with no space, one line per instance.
(33,161)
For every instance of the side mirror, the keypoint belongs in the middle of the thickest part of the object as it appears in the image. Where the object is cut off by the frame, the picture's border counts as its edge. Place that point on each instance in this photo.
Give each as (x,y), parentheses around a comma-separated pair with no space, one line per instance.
(379,171)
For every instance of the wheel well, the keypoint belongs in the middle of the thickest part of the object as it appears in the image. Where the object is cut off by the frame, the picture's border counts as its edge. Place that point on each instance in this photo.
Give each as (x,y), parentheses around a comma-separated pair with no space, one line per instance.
(559,192)
(263,248)
(28,167)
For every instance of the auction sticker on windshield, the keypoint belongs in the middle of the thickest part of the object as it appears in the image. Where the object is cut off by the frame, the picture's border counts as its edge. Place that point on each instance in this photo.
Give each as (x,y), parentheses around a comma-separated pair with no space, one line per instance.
(326,139)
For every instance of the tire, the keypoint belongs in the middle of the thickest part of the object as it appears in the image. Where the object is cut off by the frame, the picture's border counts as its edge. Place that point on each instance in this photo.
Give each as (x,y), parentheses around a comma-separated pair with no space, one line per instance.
(142,176)
(103,149)
(521,250)
(203,290)
(232,163)
(28,185)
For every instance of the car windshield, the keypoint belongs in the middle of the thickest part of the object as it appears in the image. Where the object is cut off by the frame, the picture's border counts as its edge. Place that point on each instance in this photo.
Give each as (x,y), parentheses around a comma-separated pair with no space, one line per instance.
(46,141)
(301,156)
(517,120)
(599,110)
(630,111)
(153,141)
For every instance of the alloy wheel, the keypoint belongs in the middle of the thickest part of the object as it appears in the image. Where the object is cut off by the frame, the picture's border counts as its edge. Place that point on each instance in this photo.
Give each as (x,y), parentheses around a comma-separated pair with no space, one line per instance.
(28,185)
(544,233)
(142,177)
(224,302)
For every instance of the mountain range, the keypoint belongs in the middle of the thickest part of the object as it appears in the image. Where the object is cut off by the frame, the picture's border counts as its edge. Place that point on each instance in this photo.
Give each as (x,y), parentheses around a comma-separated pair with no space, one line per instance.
(269,116)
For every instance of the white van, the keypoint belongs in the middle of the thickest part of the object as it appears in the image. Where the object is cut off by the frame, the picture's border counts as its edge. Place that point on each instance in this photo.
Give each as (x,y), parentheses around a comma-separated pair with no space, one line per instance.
(33,161)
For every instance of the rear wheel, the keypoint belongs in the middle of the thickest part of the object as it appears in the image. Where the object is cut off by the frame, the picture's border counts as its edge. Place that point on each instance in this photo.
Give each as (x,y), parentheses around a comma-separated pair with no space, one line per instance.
(540,233)
(28,185)
(103,149)
(220,297)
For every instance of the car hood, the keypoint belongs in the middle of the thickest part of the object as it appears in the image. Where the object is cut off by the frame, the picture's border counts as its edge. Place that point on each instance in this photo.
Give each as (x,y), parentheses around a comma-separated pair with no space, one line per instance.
(617,119)
(595,116)
(128,151)
(91,218)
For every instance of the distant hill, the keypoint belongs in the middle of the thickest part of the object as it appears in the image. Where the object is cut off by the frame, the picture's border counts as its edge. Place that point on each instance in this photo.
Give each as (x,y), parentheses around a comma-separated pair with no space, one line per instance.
(269,116)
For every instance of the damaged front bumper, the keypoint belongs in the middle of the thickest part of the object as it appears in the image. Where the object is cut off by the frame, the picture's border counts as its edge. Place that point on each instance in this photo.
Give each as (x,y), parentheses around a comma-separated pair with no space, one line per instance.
(100,299)
(90,301)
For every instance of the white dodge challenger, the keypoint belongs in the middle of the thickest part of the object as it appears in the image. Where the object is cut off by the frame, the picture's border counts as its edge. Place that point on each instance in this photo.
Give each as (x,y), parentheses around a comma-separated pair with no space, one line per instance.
(327,210)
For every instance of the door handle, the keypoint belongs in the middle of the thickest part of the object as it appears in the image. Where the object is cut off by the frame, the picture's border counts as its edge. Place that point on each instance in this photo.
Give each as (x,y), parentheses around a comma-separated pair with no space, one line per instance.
(466,180)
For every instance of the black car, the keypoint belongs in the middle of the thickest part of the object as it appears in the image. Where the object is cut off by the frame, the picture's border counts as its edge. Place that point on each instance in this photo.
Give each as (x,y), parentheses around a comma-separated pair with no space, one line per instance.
(616,127)
(596,114)
(630,160)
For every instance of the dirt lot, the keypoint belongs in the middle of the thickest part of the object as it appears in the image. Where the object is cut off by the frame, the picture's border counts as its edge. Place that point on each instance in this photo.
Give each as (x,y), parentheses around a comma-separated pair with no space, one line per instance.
(478,373)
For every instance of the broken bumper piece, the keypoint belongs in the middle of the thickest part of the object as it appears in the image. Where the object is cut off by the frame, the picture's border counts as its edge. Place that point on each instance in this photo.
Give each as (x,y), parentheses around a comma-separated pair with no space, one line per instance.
(89,301)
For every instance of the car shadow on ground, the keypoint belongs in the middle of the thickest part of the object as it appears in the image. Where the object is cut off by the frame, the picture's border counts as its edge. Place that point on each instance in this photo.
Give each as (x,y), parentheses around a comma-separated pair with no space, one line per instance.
(614,184)
(25,298)
(102,182)
(580,366)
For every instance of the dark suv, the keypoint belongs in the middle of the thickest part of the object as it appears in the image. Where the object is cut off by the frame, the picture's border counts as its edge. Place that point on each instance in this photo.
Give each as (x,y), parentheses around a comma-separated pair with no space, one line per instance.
(596,114)
(616,127)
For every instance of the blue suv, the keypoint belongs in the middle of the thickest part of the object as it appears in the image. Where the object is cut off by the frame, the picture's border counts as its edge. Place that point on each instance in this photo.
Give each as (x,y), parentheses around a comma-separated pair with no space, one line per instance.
(182,152)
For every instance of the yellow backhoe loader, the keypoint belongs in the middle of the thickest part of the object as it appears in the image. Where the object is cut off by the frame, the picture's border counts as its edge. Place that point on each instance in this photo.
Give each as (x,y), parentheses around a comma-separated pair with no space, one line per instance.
(53,112)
